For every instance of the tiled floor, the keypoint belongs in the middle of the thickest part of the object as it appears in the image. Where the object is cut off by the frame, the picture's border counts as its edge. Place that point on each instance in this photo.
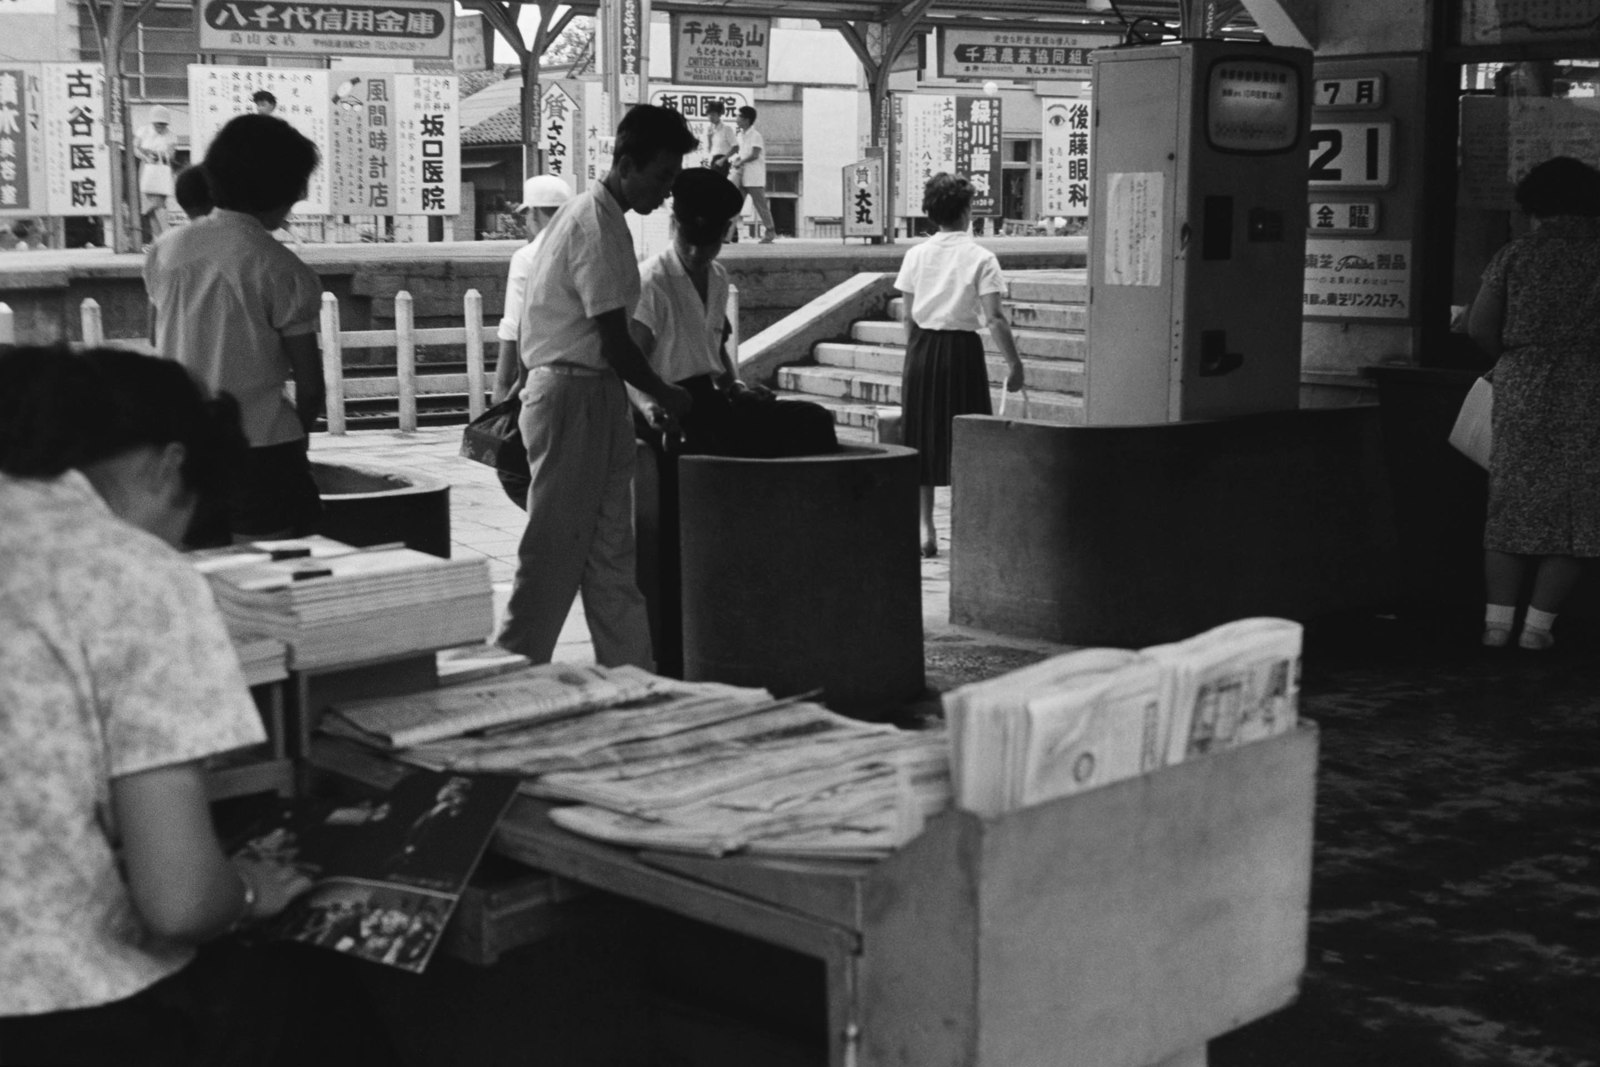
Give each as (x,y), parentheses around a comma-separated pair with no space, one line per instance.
(485,522)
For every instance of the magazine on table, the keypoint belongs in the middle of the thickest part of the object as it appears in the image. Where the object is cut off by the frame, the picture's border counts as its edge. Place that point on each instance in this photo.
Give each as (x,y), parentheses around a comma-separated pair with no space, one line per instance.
(387,871)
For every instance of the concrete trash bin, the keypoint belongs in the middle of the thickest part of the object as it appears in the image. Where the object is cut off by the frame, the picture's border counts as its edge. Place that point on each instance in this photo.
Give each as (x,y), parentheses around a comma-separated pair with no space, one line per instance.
(367,504)
(804,572)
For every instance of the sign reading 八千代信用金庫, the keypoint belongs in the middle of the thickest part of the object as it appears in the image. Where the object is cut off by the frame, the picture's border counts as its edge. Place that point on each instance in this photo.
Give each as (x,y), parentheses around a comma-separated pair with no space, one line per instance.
(403,29)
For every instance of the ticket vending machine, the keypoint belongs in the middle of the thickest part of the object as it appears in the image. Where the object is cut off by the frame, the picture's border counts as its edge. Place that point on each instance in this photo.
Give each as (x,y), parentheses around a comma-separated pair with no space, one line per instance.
(1196,251)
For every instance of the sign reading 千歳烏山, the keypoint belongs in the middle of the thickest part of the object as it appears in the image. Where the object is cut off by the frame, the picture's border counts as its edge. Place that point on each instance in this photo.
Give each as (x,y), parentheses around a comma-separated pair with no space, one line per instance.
(1019,55)
(712,49)
(409,29)
(1065,142)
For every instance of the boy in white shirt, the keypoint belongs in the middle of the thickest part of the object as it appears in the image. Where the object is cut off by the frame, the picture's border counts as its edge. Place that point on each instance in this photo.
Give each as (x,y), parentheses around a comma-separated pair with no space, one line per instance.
(751,164)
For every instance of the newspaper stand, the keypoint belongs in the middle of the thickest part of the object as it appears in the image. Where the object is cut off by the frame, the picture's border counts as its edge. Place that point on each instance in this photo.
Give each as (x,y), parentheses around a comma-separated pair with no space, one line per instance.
(1123,927)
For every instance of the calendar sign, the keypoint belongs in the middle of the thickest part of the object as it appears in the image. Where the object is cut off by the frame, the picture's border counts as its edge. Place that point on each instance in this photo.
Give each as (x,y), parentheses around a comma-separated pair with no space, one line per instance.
(1343,216)
(1352,155)
(1363,91)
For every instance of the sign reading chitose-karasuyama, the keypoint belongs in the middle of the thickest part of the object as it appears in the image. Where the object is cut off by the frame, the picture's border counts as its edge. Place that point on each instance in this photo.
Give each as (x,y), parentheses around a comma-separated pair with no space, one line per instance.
(710,49)
(412,29)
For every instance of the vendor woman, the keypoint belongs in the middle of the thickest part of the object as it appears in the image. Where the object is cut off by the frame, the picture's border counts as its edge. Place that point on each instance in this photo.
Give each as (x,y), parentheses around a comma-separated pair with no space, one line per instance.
(117,681)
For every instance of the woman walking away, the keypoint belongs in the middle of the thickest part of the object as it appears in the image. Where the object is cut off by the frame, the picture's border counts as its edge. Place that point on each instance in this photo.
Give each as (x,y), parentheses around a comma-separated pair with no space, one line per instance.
(1538,310)
(952,287)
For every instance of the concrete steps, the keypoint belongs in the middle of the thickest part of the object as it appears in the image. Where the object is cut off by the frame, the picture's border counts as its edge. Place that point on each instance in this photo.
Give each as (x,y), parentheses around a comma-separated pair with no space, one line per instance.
(858,378)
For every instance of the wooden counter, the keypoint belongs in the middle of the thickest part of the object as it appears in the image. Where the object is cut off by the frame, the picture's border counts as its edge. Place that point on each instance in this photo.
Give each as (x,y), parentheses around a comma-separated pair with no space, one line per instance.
(1123,927)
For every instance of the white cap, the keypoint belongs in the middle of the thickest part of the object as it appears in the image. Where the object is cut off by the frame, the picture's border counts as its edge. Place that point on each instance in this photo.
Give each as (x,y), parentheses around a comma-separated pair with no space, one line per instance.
(160,114)
(544,190)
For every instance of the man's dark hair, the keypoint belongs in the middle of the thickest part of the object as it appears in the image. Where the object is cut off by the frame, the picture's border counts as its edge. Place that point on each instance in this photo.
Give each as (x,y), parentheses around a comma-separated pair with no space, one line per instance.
(259,163)
(946,197)
(648,131)
(748,112)
(1560,186)
(61,409)
(703,202)
(262,96)
(192,191)
(715,105)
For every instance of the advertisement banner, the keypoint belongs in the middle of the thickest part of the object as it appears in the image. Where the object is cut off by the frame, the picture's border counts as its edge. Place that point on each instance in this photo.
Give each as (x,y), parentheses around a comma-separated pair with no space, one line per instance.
(1356,279)
(21,145)
(77,164)
(361,150)
(560,119)
(404,29)
(1065,129)
(863,198)
(956,134)
(631,45)
(1017,55)
(710,49)
(427,144)
(218,94)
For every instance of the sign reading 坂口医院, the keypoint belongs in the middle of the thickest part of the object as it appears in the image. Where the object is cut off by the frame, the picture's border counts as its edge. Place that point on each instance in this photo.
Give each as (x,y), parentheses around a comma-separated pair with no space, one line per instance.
(712,49)
(1065,144)
(1021,55)
(407,29)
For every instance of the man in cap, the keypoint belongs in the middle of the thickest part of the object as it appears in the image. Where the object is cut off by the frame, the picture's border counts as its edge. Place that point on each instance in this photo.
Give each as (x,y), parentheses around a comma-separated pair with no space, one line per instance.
(542,197)
(155,145)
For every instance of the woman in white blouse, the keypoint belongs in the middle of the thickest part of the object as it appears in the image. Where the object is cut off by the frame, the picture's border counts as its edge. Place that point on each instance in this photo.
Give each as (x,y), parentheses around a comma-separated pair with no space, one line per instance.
(952,286)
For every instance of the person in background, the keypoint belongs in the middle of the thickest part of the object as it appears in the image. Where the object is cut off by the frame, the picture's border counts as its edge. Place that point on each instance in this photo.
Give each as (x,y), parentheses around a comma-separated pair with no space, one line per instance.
(576,419)
(542,197)
(117,681)
(722,140)
(193,192)
(264,101)
(952,286)
(751,165)
(240,311)
(681,324)
(1538,313)
(155,145)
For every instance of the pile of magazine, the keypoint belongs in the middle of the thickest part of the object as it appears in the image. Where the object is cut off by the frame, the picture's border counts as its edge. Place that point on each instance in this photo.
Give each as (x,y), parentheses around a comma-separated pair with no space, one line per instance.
(335,604)
(263,659)
(1099,715)
(657,763)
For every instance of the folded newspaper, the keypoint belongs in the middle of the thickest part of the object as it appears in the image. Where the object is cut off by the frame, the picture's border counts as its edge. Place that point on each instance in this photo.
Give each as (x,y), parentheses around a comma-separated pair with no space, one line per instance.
(1095,716)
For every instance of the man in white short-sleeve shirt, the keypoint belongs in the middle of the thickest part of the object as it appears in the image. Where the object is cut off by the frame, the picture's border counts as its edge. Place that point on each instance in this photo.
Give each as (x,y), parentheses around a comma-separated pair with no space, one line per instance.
(751,162)
(576,420)
(542,197)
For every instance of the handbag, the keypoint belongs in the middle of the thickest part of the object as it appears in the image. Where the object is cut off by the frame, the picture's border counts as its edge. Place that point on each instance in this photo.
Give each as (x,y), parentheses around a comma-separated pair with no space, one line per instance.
(1472,435)
(495,440)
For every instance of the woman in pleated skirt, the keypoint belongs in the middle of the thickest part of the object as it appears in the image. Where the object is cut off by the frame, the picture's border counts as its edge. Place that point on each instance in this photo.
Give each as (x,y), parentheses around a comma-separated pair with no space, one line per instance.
(952,287)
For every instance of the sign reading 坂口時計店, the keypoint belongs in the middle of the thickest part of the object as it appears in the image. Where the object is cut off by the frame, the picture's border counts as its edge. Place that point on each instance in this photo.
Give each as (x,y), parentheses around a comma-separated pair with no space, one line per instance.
(401,29)
(712,49)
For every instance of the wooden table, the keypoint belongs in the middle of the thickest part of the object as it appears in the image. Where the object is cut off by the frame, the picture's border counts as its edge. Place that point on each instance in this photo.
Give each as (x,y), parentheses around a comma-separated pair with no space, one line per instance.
(1124,927)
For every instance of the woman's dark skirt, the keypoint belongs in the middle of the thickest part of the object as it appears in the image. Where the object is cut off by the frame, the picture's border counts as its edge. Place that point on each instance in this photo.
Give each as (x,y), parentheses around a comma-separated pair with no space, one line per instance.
(945,375)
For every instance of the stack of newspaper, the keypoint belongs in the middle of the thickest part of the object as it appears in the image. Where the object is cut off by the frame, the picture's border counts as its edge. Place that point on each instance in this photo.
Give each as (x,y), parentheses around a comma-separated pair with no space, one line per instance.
(335,604)
(263,659)
(659,763)
(1095,716)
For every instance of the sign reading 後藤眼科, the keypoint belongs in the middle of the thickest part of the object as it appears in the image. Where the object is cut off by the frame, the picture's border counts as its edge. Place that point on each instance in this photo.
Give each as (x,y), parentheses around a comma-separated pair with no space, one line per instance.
(712,49)
(1065,143)
(404,29)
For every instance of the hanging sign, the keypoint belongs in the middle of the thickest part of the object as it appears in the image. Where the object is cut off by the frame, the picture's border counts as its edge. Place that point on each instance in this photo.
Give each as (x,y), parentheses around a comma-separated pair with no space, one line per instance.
(631,43)
(560,119)
(218,94)
(77,162)
(863,198)
(1019,55)
(408,29)
(1066,158)
(711,49)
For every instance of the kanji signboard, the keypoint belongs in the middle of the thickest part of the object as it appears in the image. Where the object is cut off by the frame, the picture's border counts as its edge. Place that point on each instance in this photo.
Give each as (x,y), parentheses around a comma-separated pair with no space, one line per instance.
(218,94)
(53,156)
(411,29)
(710,49)
(1020,55)
(956,134)
(560,119)
(863,198)
(1066,131)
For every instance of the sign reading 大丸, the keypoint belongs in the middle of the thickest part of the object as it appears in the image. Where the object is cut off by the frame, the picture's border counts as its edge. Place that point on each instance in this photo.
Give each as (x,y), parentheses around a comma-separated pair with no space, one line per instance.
(1017,54)
(719,49)
(407,29)
(863,198)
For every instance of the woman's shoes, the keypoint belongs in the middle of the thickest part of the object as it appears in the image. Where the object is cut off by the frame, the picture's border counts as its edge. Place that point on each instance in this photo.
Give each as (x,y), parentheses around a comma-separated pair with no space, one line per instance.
(1535,640)
(1496,637)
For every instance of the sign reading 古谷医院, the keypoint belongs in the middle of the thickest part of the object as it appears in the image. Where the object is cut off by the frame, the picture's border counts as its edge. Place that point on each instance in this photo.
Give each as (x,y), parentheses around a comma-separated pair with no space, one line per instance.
(711,49)
(1017,54)
(403,29)
(53,156)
